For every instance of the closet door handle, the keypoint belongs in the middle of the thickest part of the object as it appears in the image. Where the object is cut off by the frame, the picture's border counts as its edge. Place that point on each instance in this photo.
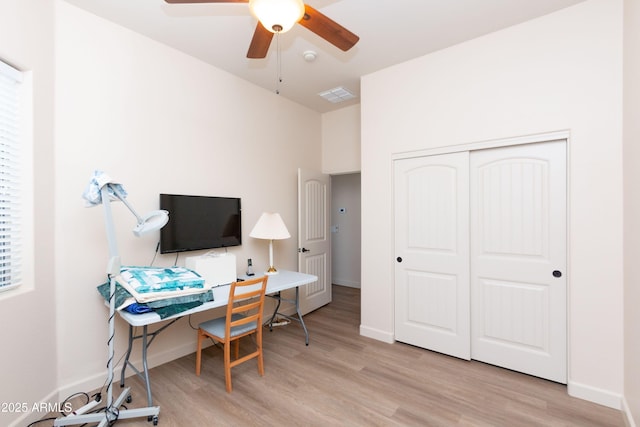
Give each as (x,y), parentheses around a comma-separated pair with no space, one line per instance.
(557,273)
(399,259)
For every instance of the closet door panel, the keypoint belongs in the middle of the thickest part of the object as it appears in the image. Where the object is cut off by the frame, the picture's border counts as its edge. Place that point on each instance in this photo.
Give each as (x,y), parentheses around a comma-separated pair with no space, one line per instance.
(518,235)
(432,253)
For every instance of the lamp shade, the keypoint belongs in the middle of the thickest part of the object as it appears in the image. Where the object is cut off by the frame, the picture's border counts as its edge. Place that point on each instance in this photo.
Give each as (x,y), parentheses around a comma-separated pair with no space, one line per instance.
(277,16)
(270,226)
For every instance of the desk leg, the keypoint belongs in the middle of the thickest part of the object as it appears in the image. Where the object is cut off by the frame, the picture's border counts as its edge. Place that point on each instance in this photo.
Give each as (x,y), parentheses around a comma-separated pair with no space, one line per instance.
(126,359)
(278,297)
(145,367)
(273,317)
(147,339)
(306,333)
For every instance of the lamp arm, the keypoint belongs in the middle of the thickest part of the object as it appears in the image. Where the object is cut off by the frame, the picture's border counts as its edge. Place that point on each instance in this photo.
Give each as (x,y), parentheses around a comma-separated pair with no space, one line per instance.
(116,192)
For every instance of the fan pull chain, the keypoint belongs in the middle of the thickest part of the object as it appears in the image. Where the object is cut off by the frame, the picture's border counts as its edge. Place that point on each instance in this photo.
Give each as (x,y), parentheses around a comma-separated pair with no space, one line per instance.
(279,63)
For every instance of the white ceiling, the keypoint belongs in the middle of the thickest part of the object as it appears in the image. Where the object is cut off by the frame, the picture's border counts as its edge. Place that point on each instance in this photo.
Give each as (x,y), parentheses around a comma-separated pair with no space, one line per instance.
(391,32)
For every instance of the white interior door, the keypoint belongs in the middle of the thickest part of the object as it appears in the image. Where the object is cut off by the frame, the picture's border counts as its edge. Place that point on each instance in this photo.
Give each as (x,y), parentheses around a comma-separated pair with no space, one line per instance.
(432,249)
(314,237)
(518,258)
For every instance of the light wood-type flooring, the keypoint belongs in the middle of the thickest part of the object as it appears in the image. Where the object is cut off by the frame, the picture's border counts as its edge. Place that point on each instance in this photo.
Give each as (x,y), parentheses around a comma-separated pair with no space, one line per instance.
(344,379)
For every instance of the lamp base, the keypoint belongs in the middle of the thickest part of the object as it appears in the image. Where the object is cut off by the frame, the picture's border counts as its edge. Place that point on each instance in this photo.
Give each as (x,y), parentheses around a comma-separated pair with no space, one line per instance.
(272,270)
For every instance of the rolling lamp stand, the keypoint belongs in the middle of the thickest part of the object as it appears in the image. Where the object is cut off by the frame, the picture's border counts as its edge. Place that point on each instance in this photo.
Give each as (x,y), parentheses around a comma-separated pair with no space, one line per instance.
(153,221)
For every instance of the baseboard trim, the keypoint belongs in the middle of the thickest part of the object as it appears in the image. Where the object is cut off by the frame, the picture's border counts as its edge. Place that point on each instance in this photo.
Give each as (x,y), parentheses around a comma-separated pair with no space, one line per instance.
(595,395)
(377,334)
(347,283)
(628,416)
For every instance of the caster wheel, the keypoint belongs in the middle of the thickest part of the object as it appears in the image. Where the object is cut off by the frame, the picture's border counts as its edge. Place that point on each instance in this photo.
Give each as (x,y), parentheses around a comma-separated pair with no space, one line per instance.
(129,399)
(155,420)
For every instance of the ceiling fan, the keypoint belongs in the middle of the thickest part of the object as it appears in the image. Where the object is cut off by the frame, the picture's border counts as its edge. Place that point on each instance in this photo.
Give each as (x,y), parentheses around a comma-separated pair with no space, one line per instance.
(293,11)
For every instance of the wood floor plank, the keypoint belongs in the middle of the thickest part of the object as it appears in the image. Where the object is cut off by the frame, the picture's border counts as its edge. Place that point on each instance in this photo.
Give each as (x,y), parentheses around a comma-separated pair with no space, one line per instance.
(345,379)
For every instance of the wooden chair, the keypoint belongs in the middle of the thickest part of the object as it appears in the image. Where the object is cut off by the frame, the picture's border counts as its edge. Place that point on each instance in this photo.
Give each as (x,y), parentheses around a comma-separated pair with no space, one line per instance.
(243,318)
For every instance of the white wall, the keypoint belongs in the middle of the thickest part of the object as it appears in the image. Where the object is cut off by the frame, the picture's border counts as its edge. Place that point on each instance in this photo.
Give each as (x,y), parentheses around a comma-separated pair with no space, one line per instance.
(158,121)
(341,140)
(27,315)
(632,207)
(560,72)
(346,230)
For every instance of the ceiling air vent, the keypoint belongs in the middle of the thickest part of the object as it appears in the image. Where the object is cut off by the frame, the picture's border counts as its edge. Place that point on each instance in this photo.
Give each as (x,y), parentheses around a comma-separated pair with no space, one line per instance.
(338,94)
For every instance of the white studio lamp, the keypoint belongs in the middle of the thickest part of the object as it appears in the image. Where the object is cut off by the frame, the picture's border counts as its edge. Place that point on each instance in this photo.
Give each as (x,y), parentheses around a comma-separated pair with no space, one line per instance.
(270,227)
(277,16)
(102,190)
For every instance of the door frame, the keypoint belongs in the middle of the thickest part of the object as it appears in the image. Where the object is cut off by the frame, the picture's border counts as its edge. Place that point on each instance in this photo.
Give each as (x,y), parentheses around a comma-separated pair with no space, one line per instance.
(508,142)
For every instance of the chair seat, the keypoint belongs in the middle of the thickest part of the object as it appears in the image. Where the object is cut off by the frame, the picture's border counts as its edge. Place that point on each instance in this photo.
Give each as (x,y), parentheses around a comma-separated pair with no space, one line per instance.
(217,326)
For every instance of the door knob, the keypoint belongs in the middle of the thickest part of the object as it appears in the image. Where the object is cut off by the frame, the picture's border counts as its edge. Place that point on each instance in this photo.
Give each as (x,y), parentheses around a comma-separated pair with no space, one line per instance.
(557,273)
(399,259)
(303,250)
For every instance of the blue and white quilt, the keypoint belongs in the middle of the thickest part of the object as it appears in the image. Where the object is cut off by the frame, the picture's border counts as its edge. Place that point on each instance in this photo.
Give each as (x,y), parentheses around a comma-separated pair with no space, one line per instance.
(147,284)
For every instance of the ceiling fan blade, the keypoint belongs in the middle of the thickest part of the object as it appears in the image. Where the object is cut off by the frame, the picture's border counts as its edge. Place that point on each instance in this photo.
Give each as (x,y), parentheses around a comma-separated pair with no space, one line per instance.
(205,1)
(328,29)
(260,42)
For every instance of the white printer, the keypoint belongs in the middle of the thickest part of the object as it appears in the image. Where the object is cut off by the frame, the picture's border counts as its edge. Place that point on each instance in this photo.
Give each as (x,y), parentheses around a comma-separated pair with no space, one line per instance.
(215,268)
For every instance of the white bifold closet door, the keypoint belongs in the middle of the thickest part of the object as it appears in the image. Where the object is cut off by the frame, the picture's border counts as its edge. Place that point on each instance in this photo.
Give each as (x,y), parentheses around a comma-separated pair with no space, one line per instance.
(481,256)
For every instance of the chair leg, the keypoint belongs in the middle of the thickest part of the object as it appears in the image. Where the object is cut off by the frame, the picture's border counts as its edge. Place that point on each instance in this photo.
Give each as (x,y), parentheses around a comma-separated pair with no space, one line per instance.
(227,365)
(259,348)
(199,352)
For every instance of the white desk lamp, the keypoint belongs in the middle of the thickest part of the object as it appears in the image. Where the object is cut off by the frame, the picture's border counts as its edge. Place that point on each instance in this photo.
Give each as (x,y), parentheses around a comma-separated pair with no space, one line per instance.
(154,220)
(271,227)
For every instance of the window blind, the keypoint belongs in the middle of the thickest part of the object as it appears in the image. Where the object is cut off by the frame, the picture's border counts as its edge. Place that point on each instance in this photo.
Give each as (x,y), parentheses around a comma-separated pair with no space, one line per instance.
(10,173)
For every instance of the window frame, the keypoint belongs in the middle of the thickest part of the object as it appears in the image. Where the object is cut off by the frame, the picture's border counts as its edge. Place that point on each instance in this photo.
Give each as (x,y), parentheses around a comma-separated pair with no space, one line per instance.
(22,228)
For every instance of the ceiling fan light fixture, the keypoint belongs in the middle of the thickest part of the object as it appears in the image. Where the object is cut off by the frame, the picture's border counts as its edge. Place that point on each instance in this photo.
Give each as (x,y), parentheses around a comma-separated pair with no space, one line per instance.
(277,16)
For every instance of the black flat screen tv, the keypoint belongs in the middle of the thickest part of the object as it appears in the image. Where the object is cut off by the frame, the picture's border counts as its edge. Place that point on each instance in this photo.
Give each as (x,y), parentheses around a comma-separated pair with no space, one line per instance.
(200,222)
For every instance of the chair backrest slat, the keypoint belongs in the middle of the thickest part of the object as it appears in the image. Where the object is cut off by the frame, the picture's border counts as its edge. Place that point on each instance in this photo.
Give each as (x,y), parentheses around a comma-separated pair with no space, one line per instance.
(245,298)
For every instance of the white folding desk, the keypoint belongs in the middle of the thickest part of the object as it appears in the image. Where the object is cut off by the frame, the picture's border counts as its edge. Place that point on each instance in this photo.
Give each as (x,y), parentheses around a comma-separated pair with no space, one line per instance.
(275,285)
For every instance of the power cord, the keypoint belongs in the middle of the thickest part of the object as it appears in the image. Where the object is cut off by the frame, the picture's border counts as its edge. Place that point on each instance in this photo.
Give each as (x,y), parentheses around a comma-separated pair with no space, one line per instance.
(155,253)
(191,324)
